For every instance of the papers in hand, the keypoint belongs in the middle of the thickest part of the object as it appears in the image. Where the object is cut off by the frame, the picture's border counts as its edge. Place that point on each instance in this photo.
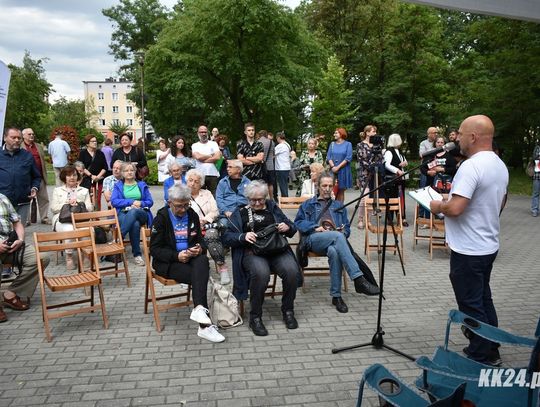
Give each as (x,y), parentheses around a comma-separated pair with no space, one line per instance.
(424,196)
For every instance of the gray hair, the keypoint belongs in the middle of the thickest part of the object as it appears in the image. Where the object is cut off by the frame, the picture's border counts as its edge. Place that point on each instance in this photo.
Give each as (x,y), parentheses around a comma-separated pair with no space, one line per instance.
(179,192)
(394,140)
(126,164)
(116,162)
(195,173)
(236,164)
(325,174)
(255,186)
(79,164)
(173,165)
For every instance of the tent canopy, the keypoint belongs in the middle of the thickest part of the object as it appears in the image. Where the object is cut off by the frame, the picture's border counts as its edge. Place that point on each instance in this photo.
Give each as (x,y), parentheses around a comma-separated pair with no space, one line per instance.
(517,9)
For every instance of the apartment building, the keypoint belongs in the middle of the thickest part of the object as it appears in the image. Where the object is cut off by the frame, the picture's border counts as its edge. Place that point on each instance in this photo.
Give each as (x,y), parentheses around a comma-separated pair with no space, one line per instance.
(109,99)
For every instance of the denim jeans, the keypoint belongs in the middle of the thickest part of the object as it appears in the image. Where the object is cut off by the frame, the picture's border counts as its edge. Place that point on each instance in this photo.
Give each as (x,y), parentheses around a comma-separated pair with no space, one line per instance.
(470,276)
(283,182)
(259,267)
(535,196)
(334,245)
(131,222)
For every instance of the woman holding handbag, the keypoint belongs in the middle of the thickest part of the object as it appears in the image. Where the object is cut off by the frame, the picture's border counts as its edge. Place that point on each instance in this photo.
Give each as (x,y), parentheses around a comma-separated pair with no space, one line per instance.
(64,196)
(339,159)
(253,268)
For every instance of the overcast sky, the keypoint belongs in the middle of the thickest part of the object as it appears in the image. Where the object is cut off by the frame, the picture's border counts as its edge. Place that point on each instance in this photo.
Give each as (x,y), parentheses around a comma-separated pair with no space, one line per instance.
(72,34)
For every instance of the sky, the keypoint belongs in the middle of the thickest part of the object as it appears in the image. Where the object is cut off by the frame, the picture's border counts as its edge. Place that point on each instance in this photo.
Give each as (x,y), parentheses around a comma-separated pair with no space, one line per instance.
(72,34)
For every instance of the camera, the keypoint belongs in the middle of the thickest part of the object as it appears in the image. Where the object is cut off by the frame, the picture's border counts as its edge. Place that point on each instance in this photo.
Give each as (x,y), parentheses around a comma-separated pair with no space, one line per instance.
(377,140)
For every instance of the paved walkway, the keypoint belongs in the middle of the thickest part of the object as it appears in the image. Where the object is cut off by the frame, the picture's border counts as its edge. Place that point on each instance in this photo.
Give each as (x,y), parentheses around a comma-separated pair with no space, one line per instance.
(131,364)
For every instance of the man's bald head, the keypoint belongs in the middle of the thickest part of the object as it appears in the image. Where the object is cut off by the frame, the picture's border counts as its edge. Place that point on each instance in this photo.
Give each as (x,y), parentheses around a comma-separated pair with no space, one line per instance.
(432,133)
(476,134)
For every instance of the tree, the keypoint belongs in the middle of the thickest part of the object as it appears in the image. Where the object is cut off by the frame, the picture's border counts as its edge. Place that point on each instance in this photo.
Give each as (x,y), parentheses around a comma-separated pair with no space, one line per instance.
(332,104)
(229,62)
(70,136)
(119,128)
(137,25)
(28,93)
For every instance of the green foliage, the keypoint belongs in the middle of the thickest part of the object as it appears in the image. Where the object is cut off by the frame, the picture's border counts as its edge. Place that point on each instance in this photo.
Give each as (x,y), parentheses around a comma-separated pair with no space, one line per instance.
(70,136)
(229,62)
(119,128)
(152,178)
(28,93)
(137,24)
(332,104)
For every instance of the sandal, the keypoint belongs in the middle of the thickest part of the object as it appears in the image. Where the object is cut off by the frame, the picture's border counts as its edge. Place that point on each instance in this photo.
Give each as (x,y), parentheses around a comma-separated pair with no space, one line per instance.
(15,303)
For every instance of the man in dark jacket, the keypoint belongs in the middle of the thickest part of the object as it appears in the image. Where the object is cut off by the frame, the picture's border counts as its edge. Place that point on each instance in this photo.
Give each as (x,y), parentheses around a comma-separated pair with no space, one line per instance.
(177,253)
(19,177)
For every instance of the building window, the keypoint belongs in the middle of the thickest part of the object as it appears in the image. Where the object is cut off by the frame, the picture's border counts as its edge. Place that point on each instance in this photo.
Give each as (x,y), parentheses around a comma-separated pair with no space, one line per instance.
(129,109)
(116,139)
(115,96)
(101,109)
(129,122)
(100,96)
(115,122)
(102,122)
(115,109)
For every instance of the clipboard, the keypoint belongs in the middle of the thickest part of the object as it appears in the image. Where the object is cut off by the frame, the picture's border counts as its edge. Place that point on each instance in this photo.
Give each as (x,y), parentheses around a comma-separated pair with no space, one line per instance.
(424,196)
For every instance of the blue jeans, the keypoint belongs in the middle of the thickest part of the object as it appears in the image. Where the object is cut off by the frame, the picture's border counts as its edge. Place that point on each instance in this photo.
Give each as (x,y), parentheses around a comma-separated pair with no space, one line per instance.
(283,182)
(131,222)
(535,196)
(470,279)
(334,245)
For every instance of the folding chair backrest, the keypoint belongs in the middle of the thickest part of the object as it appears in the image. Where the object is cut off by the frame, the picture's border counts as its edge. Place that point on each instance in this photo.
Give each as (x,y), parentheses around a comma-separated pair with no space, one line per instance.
(105,219)
(291,202)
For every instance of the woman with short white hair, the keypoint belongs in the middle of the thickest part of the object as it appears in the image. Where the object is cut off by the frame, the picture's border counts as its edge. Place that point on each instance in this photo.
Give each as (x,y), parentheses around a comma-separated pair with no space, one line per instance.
(394,164)
(204,204)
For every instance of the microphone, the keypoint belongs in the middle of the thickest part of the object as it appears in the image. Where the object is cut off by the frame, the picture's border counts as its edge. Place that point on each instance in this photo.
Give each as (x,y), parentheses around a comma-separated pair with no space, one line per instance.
(447,147)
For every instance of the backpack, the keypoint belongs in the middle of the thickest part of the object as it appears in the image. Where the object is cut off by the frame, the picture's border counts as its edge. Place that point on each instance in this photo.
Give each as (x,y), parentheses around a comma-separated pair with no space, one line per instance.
(223,306)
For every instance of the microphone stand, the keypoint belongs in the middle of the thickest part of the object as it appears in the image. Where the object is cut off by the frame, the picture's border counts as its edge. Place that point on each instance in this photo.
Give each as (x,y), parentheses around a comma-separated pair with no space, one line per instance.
(377,341)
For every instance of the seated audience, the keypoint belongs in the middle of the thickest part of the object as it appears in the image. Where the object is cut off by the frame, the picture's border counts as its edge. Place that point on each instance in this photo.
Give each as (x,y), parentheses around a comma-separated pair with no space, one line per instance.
(309,186)
(70,192)
(254,270)
(205,205)
(108,183)
(230,190)
(17,296)
(324,224)
(84,181)
(176,246)
(132,201)
(178,176)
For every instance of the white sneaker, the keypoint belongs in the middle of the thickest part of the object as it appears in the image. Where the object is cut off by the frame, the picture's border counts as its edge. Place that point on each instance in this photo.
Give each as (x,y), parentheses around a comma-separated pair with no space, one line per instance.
(139,261)
(200,315)
(225,278)
(211,334)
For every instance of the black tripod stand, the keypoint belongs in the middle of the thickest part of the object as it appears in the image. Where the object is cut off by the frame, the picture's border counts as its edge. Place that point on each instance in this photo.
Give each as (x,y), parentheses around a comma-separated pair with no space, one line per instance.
(377,341)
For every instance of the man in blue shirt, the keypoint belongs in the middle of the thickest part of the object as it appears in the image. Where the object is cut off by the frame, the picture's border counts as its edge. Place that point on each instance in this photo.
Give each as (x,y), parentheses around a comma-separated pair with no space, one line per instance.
(58,150)
(230,190)
(324,224)
(19,176)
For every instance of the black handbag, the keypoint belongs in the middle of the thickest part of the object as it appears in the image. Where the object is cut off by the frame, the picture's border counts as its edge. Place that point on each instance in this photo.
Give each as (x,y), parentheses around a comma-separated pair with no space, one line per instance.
(269,240)
(68,209)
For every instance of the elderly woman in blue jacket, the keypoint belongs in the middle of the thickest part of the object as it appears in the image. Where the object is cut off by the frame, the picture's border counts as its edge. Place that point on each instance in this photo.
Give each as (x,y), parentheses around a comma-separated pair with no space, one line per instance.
(132,201)
(253,271)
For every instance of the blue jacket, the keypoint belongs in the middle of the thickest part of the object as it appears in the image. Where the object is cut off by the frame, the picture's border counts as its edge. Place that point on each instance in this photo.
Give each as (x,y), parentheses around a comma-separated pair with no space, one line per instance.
(228,200)
(169,182)
(119,202)
(309,212)
(235,237)
(18,175)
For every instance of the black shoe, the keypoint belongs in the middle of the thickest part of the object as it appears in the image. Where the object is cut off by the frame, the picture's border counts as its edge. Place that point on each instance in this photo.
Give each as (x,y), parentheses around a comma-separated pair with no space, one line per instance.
(290,320)
(493,357)
(362,286)
(257,326)
(340,305)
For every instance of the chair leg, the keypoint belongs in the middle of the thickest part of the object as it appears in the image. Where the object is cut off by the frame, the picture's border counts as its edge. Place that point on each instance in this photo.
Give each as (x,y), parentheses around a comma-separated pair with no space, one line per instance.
(155,306)
(126,270)
(274,287)
(242,308)
(102,304)
(92,297)
(146,288)
(303,280)
(45,314)
(345,281)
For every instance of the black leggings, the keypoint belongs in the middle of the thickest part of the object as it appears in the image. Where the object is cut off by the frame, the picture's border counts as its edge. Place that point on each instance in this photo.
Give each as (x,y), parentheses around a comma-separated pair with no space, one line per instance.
(195,272)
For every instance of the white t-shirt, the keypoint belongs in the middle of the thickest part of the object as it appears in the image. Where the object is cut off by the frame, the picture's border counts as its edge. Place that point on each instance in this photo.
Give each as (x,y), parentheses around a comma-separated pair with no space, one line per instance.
(282,157)
(483,179)
(207,148)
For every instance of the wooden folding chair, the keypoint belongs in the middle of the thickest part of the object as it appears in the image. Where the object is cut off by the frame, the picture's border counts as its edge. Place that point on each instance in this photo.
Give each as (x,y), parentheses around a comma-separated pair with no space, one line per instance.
(81,240)
(108,220)
(420,225)
(150,290)
(373,228)
(437,235)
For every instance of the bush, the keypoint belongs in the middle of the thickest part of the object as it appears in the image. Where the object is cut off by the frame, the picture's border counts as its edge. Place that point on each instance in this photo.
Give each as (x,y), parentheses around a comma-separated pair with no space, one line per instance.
(152,178)
(70,136)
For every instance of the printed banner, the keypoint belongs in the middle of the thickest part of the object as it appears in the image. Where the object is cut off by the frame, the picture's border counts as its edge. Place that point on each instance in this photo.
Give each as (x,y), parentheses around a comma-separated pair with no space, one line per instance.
(5,75)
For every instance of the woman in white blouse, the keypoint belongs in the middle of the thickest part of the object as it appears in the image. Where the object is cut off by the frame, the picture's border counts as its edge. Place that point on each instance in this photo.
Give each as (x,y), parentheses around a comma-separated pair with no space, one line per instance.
(204,203)
(309,186)
(68,193)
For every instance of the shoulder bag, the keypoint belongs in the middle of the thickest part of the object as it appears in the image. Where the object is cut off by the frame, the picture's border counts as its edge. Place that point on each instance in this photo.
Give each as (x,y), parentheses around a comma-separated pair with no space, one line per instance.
(68,209)
(223,307)
(269,240)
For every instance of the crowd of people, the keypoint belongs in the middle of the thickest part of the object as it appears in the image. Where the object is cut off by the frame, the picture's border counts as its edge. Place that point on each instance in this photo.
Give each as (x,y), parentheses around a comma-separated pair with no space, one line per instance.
(215,200)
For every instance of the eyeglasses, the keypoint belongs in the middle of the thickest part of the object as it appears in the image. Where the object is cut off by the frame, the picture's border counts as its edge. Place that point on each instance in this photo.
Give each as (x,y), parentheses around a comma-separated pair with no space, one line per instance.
(257,200)
(93,141)
(179,206)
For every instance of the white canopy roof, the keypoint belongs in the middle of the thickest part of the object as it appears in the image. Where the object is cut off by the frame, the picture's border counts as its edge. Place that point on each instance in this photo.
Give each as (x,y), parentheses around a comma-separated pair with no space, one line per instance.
(517,9)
